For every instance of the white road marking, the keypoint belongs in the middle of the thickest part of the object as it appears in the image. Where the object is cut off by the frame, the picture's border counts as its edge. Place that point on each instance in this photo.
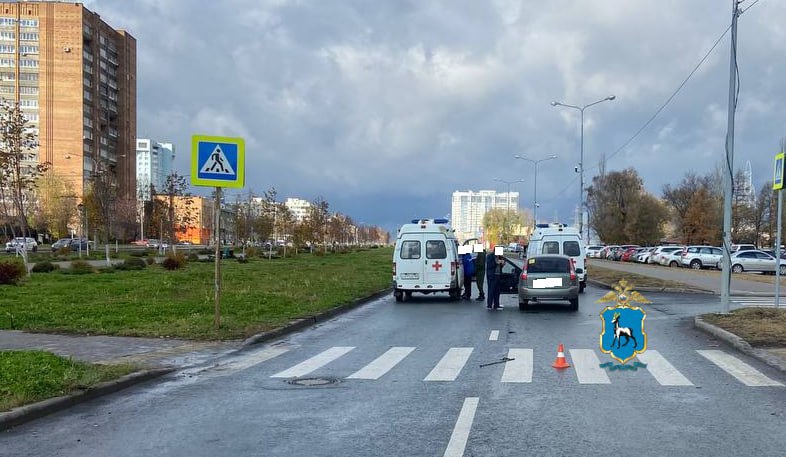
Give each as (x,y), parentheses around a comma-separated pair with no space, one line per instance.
(519,369)
(239,363)
(450,365)
(739,369)
(663,371)
(587,367)
(494,335)
(382,364)
(314,363)
(458,439)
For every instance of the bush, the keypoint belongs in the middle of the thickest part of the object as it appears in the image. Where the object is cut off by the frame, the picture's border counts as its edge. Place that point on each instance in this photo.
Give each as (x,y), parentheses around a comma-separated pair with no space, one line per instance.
(174,261)
(11,272)
(132,263)
(193,257)
(44,267)
(138,254)
(65,251)
(80,267)
(150,260)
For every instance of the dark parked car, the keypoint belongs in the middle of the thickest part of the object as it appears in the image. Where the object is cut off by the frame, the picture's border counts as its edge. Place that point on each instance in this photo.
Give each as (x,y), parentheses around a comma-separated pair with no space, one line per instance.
(546,278)
(74,243)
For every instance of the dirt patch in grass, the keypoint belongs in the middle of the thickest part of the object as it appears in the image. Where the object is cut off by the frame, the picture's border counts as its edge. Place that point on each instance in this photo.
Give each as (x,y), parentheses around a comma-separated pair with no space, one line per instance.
(764,327)
(608,276)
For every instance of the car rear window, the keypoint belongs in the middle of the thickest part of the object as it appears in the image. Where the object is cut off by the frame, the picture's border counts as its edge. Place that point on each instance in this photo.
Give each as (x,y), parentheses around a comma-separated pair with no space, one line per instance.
(410,249)
(435,249)
(548,265)
(571,248)
(551,247)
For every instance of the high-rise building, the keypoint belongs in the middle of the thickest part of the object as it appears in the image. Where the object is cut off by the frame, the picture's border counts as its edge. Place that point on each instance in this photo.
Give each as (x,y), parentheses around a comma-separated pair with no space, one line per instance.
(468,209)
(153,164)
(298,207)
(74,77)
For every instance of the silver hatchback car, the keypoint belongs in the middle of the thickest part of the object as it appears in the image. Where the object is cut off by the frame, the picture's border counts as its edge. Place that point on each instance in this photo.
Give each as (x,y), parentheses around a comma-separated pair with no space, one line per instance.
(548,277)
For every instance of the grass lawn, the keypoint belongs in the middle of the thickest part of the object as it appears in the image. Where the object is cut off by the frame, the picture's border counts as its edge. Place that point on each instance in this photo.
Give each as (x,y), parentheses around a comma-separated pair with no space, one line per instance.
(609,276)
(31,376)
(256,296)
(758,326)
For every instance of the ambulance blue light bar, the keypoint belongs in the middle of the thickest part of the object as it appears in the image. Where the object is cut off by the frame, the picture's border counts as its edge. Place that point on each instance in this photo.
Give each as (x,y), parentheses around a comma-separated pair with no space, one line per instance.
(433,221)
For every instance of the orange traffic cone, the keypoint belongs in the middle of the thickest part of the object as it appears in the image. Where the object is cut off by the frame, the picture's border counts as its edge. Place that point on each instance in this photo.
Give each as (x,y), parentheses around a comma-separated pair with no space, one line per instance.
(560,362)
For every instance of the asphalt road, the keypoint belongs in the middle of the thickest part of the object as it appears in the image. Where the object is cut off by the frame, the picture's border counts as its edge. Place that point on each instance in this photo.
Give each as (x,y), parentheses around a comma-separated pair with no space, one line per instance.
(427,394)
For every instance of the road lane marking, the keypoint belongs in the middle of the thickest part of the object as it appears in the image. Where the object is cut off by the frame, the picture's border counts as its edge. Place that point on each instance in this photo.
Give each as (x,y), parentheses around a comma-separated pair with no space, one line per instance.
(663,371)
(520,368)
(458,439)
(587,367)
(314,363)
(494,335)
(450,365)
(382,364)
(739,369)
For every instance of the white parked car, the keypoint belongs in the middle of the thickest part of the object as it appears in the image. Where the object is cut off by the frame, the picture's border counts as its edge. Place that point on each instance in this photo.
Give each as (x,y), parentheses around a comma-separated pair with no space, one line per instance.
(671,259)
(593,252)
(17,244)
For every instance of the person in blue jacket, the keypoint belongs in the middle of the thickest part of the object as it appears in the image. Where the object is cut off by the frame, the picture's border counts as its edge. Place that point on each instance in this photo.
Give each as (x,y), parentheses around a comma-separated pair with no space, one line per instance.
(493,271)
(469,272)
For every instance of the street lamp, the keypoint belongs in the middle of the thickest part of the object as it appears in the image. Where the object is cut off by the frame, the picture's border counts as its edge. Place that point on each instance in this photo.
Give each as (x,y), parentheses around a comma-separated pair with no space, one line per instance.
(507,215)
(581,159)
(535,199)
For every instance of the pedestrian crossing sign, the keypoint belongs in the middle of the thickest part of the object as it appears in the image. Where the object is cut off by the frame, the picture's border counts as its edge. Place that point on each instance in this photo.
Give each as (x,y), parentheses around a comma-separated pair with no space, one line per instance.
(777,179)
(217,161)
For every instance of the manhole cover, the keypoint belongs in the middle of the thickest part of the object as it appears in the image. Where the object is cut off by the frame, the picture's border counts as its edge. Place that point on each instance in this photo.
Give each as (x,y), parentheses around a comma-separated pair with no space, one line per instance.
(312,381)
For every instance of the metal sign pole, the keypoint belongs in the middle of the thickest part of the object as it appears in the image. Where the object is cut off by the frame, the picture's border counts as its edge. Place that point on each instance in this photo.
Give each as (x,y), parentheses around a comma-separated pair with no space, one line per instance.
(778,252)
(217,225)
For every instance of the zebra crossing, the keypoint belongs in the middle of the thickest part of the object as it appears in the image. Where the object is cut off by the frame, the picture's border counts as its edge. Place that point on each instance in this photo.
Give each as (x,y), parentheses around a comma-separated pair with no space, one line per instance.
(520,366)
(760,302)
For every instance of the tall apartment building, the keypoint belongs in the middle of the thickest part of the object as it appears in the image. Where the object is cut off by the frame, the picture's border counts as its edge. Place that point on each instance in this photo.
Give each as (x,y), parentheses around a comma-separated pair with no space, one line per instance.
(74,77)
(154,162)
(468,209)
(298,207)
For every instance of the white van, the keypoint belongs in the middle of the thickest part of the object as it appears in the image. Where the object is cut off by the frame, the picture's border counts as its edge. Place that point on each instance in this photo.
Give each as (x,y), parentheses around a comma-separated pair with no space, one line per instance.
(560,239)
(426,260)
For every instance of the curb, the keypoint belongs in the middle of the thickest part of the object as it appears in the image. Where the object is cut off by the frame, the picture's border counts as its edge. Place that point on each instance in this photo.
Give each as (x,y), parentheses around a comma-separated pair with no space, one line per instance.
(656,289)
(306,322)
(739,344)
(22,414)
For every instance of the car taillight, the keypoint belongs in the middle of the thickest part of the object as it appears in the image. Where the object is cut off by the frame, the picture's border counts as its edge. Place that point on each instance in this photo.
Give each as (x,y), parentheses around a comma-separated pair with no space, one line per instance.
(524,273)
(572,272)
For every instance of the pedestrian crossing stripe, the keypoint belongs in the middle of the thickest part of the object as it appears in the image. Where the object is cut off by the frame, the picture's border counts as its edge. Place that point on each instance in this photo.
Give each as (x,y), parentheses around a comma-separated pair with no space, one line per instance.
(519,368)
(217,161)
(761,302)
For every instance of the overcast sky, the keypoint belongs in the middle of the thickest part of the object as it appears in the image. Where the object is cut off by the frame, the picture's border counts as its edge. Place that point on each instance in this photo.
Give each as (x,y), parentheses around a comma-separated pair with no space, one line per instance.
(385,107)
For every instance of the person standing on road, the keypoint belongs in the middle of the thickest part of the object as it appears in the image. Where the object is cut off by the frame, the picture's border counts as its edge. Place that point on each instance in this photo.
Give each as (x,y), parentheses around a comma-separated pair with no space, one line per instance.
(469,271)
(493,271)
(480,273)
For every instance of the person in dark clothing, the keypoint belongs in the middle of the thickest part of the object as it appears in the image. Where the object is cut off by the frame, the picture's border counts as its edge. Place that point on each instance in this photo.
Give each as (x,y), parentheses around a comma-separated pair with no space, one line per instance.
(493,271)
(469,271)
(480,274)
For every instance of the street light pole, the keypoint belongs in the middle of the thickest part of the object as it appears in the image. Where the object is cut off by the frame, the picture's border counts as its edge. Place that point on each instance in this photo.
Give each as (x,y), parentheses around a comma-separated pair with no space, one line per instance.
(535,198)
(507,200)
(581,158)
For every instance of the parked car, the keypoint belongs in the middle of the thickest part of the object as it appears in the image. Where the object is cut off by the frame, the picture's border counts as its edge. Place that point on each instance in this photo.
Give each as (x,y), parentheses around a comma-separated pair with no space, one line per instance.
(743,247)
(153,243)
(645,255)
(698,257)
(628,253)
(604,253)
(742,261)
(671,259)
(548,277)
(661,251)
(593,252)
(75,244)
(772,253)
(20,243)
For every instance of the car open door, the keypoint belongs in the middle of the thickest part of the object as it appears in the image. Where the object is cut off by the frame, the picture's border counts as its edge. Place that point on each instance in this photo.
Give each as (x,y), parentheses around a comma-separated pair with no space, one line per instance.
(509,279)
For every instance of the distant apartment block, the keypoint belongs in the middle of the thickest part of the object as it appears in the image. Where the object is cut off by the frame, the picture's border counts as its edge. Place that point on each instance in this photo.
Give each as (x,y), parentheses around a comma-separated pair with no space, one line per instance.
(153,164)
(74,77)
(298,207)
(468,209)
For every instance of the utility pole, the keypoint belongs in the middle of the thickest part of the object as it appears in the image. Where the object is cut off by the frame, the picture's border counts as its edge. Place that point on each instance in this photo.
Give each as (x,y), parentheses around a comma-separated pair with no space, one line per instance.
(729,169)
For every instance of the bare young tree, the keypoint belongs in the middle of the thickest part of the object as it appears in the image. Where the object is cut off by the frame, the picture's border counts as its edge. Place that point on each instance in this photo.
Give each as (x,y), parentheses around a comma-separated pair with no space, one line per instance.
(19,170)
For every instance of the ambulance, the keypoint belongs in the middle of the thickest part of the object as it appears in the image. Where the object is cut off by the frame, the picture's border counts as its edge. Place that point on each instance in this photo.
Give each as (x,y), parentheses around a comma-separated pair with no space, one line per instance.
(426,260)
(560,239)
